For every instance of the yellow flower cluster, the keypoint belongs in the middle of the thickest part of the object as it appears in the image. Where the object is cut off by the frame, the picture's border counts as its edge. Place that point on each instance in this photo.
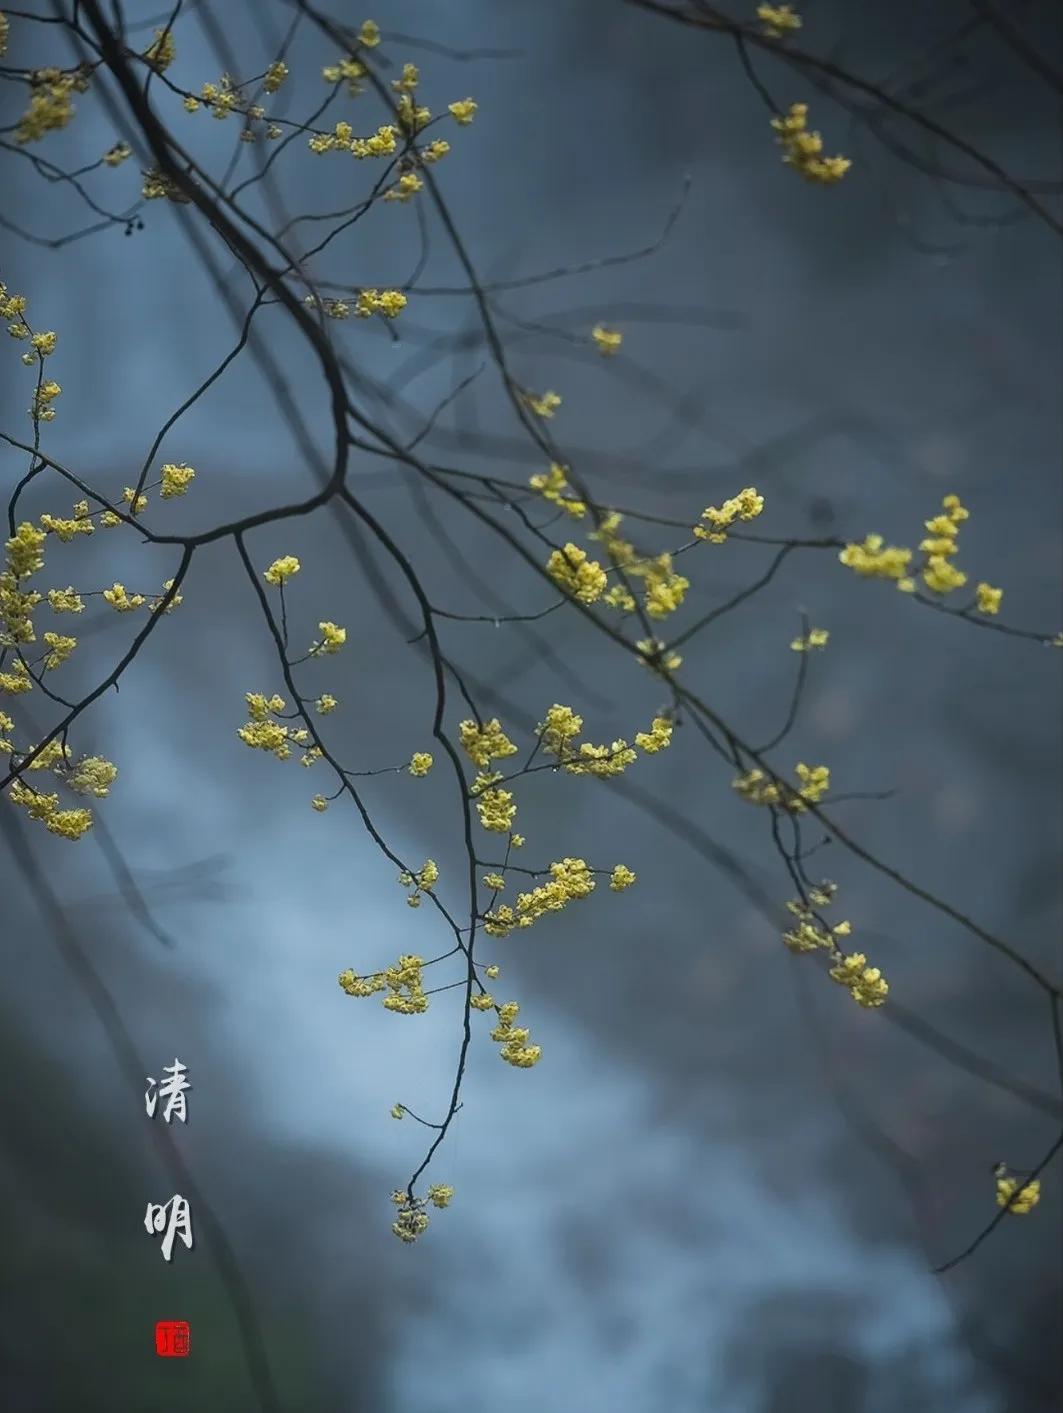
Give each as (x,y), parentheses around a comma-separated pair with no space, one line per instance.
(656,655)
(814,638)
(570,569)
(43,344)
(348,71)
(803,150)
(67,824)
(17,680)
(342,139)
(25,551)
(544,406)
(939,574)
(562,725)
(412,1219)
(483,744)
(809,934)
(65,600)
(281,570)
(332,639)
(1027,1198)
(866,984)
(43,397)
(407,186)
(50,106)
(657,738)
(59,649)
(552,485)
(120,600)
(176,480)
(421,763)
(570,880)
(746,505)
(778,20)
(157,186)
(939,547)
(988,598)
(92,776)
(874,559)
(162,51)
(389,302)
(494,806)
(665,590)
(275,76)
(463,111)
(607,341)
(513,1039)
(262,733)
(420,882)
(758,789)
(403,982)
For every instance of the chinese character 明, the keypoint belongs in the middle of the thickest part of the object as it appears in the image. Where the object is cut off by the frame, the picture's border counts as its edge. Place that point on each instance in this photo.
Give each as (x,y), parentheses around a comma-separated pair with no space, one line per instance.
(180,1223)
(172,1090)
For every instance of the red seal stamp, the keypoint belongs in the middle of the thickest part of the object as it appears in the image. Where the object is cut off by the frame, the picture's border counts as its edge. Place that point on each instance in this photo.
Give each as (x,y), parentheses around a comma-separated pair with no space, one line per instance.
(173,1339)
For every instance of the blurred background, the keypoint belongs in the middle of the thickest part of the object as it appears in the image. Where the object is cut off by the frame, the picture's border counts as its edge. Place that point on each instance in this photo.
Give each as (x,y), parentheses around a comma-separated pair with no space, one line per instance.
(724,1185)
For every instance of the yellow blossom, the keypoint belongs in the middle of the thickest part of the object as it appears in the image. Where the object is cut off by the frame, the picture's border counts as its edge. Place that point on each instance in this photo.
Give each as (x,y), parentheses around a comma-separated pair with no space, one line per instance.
(421,763)
(162,51)
(121,601)
(874,560)
(388,302)
(866,984)
(463,111)
(1026,1199)
(746,505)
(656,655)
(552,486)
(657,738)
(803,150)
(607,340)
(814,638)
(544,406)
(485,743)
(275,76)
(778,20)
(988,598)
(941,576)
(573,572)
(92,776)
(332,639)
(176,480)
(60,649)
(281,570)
(496,810)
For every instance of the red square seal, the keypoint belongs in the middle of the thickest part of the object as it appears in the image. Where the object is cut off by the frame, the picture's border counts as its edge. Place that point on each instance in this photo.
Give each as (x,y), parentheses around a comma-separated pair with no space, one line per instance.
(173,1338)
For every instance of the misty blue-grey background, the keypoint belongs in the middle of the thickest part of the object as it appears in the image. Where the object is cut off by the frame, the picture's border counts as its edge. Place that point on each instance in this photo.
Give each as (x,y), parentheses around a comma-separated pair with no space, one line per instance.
(724,1184)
